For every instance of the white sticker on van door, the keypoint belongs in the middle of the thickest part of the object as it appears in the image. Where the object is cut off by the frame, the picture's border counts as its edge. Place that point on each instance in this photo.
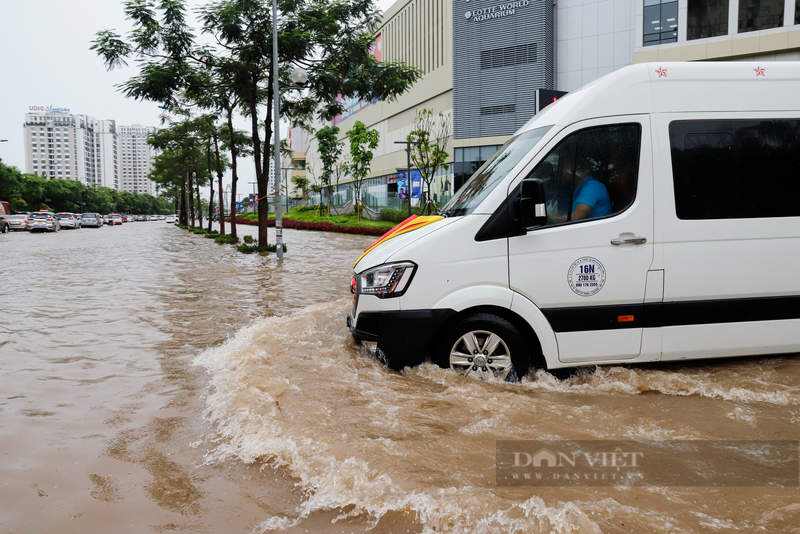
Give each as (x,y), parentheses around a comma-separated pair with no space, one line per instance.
(586,276)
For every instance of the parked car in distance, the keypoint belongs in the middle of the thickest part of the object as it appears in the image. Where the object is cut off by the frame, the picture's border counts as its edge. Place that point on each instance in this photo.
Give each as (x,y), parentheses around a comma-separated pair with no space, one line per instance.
(94,220)
(45,221)
(18,221)
(129,218)
(5,211)
(68,220)
(170,219)
(114,218)
(141,218)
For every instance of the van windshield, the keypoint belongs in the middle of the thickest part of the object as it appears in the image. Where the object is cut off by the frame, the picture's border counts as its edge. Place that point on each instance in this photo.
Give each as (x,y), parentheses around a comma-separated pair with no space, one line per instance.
(492,173)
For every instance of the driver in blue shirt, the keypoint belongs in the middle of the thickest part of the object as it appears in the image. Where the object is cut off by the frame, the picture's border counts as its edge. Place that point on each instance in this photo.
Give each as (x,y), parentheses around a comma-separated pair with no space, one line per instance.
(591,198)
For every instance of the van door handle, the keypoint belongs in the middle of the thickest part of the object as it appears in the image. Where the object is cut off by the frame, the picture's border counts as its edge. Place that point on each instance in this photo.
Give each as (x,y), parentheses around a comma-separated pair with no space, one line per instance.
(636,240)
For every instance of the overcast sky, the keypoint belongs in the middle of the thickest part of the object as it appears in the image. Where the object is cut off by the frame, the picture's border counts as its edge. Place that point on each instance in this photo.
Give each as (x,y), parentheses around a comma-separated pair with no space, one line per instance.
(45,60)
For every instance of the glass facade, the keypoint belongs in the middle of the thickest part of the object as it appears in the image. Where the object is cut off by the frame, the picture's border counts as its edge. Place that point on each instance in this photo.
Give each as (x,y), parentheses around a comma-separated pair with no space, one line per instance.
(660,22)
(757,15)
(706,18)
(468,160)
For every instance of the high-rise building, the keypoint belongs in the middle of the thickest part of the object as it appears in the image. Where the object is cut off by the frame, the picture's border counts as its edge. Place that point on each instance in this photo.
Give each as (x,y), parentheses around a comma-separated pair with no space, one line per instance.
(135,159)
(106,151)
(63,146)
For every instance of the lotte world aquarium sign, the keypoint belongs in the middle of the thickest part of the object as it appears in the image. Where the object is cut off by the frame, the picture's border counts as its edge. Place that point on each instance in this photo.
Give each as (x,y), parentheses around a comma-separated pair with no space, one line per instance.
(496,12)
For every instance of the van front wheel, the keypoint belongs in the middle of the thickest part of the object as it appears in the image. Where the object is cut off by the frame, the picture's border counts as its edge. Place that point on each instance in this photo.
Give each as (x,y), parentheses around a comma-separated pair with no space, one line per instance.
(485,347)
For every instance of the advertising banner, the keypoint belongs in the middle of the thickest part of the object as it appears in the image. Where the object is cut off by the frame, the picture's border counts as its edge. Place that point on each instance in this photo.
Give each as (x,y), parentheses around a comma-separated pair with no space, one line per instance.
(402,184)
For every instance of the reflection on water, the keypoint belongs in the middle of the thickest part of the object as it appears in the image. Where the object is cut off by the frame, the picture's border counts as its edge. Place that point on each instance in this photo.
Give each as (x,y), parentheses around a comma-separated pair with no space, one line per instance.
(156,381)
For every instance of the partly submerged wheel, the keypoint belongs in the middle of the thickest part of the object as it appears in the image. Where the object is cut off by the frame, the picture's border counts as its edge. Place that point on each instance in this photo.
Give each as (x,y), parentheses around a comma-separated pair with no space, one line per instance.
(485,347)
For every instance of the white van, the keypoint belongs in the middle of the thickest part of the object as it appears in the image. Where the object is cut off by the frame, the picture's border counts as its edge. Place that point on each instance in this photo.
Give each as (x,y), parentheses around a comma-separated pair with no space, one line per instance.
(651,215)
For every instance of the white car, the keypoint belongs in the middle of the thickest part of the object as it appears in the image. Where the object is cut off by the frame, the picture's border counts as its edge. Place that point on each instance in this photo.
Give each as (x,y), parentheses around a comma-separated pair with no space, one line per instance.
(170,219)
(68,220)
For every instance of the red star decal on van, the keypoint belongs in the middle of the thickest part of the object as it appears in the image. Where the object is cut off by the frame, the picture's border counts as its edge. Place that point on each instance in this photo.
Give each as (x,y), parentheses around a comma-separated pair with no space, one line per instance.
(662,73)
(759,71)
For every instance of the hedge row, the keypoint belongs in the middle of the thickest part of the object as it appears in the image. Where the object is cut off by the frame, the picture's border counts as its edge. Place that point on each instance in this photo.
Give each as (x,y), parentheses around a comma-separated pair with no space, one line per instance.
(319,226)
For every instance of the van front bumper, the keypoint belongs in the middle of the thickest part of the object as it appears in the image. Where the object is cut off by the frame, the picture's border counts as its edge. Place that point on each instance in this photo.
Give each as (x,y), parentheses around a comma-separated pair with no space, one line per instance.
(405,337)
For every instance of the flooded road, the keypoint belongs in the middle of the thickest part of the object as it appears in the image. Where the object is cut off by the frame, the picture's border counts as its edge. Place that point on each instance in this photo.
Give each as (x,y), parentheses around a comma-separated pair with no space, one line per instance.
(153,381)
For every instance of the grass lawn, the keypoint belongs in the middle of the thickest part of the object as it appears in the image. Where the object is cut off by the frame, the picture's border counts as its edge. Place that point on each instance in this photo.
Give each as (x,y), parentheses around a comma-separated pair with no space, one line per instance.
(312,215)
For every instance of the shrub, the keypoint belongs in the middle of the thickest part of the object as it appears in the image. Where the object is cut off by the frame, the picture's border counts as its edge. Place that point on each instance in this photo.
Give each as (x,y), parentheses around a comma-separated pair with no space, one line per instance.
(398,216)
(226,239)
(391,215)
(248,239)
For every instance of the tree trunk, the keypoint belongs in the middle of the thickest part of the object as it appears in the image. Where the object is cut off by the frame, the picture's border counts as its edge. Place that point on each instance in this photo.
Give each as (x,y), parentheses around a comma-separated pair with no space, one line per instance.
(199,205)
(234,175)
(183,215)
(211,195)
(261,180)
(219,183)
(190,191)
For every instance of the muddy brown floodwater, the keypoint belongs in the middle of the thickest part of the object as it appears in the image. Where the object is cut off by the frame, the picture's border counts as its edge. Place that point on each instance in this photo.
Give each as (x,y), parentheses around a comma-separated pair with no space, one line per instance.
(153,381)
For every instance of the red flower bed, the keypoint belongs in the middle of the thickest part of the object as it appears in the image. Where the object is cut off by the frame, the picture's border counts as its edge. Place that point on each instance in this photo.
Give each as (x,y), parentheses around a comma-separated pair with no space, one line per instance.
(319,226)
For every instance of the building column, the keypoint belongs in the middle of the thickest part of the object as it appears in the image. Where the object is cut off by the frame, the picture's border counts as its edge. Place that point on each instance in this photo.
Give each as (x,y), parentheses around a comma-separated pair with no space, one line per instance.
(683,22)
(788,13)
(733,17)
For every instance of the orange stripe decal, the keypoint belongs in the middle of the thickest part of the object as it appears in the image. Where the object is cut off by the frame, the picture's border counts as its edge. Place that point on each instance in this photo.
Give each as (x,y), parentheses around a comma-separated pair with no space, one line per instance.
(412,223)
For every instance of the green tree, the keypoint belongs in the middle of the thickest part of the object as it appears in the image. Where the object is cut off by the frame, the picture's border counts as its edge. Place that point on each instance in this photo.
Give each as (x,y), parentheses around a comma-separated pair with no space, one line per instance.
(331,40)
(429,136)
(179,163)
(301,184)
(363,142)
(330,154)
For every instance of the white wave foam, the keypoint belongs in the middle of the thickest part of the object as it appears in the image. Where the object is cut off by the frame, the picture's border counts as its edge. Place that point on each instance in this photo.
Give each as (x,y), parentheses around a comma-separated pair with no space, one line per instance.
(294,392)
(633,381)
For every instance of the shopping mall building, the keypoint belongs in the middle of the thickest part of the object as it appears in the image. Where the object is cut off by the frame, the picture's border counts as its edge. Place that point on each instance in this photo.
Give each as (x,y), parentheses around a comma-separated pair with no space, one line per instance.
(483,61)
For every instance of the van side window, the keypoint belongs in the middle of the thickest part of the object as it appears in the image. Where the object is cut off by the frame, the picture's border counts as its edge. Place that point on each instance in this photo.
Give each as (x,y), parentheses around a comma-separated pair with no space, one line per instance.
(592,173)
(736,169)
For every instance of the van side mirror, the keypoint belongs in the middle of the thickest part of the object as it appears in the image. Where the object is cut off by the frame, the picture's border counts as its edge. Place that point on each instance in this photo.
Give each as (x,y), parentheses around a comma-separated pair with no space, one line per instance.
(532,205)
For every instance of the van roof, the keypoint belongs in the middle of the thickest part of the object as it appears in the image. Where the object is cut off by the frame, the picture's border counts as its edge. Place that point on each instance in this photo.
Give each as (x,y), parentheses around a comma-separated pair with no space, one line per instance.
(680,87)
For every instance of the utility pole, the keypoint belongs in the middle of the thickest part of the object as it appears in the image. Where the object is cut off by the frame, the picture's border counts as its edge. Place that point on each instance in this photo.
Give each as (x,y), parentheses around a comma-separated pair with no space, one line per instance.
(276,98)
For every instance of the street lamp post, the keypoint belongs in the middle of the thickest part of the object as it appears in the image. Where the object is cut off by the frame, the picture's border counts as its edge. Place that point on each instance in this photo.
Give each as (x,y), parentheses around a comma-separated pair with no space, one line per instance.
(276,98)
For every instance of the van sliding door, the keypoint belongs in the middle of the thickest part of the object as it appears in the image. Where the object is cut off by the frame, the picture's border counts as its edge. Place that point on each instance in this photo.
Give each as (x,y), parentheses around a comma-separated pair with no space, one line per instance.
(731,230)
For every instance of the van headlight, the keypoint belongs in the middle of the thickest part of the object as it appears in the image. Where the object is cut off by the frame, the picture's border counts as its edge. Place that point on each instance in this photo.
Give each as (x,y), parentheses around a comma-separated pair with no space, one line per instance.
(387,281)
